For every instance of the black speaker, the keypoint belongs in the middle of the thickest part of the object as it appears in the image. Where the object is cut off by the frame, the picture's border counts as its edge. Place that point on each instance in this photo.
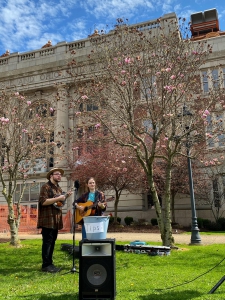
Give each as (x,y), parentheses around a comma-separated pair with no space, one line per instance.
(97,279)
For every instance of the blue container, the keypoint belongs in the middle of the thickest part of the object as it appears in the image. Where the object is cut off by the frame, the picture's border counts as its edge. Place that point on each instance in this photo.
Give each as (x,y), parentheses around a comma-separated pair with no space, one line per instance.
(137,243)
(96,227)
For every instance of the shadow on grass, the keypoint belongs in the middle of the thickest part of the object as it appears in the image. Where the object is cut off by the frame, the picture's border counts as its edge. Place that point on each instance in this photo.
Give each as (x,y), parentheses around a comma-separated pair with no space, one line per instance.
(64,296)
(172,295)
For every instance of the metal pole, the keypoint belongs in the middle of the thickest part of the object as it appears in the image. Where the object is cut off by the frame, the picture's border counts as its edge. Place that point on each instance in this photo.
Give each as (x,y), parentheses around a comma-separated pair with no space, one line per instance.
(195,236)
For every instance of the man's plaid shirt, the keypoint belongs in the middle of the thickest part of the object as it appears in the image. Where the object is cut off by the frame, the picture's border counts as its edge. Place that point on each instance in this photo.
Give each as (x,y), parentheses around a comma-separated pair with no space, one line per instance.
(48,215)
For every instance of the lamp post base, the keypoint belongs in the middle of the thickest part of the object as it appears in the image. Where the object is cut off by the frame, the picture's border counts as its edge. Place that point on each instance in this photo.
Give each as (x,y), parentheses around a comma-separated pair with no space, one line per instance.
(195,237)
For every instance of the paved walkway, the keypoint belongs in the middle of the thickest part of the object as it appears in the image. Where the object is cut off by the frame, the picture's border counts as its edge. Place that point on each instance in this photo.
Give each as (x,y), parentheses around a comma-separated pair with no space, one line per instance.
(180,238)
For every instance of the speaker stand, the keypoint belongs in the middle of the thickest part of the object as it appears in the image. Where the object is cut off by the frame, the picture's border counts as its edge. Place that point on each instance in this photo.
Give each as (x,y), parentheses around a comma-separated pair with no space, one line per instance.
(217,285)
(73,269)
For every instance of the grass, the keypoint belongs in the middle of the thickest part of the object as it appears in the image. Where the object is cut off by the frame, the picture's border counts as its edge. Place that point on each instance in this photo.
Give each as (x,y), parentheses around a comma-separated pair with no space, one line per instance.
(188,273)
(207,232)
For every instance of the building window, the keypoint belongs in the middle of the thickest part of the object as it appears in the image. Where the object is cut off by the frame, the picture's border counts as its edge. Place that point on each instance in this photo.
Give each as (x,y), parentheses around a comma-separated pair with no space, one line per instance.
(31,192)
(205,82)
(148,87)
(91,107)
(213,79)
(42,109)
(88,107)
(224,77)
(219,190)
(216,130)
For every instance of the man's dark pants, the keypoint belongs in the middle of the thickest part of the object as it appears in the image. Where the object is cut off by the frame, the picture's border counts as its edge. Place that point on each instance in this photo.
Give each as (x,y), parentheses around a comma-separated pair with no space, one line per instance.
(49,237)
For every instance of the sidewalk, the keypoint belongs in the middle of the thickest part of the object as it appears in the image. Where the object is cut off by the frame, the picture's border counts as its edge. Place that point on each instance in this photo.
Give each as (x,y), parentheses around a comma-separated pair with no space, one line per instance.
(180,238)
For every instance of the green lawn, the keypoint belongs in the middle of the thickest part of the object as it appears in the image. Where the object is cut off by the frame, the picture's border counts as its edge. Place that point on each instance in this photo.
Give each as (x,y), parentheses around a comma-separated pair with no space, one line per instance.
(188,273)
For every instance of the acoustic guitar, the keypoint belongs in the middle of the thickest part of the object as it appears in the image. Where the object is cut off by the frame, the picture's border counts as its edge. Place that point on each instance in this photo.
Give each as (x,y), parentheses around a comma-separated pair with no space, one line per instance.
(89,209)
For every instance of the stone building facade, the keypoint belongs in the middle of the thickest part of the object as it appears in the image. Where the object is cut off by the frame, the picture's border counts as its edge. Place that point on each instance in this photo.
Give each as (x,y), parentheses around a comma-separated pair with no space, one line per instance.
(37,74)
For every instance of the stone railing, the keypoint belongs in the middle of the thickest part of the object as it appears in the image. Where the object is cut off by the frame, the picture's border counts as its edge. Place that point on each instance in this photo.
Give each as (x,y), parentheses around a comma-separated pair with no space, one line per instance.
(3,61)
(59,49)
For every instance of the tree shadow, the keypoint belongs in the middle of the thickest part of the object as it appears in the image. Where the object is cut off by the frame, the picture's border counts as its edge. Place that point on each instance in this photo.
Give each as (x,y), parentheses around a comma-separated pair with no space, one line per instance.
(172,295)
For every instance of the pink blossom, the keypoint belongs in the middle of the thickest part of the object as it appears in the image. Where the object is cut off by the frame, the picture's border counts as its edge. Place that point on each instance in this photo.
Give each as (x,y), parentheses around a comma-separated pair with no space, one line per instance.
(98,125)
(28,103)
(4,120)
(124,169)
(25,130)
(123,161)
(123,83)
(51,109)
(173,77)
(123,72)
(168,69)
(166,139)
(16,94)
(84,97)
(169,88)
(127,60)
(205,113)
(158,73)
(78,113)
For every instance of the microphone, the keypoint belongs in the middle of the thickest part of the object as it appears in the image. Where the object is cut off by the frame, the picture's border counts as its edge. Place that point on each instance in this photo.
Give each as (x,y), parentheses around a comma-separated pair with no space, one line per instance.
(76,184)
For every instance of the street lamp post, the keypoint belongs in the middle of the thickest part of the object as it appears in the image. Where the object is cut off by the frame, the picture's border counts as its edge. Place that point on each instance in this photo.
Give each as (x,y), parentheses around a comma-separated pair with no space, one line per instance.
(195,236)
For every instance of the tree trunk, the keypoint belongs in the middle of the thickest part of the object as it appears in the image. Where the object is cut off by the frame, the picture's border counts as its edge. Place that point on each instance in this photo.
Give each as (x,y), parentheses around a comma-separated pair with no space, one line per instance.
(116,207)
(13,225)
(14,239)
(173,208)
(168,239)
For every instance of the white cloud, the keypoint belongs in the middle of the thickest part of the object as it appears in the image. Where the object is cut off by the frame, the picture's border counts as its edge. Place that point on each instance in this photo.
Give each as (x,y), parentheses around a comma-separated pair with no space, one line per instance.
(116,8)
(24,23)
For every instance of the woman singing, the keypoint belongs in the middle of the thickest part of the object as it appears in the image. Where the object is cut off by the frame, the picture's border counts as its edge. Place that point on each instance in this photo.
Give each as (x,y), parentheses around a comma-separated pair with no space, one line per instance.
(95,196)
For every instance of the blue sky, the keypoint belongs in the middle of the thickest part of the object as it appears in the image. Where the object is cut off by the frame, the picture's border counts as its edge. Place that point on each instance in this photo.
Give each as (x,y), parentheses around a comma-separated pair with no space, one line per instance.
(27,25)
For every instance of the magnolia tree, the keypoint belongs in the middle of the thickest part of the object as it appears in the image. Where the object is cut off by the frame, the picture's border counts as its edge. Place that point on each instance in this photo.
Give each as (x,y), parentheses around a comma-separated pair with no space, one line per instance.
(25,135)
(144,85)
(114,168)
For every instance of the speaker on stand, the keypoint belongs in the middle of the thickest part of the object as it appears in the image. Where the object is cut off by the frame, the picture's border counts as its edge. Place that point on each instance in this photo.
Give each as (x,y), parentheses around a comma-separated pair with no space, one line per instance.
(97,279)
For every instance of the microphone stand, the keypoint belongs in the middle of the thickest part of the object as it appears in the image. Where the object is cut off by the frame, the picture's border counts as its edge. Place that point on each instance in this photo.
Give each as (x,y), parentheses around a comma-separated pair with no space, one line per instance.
(73,270)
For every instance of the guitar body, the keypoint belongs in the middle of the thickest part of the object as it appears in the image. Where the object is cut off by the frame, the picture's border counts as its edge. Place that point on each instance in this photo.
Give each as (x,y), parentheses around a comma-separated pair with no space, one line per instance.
(60,204)
(87,212)
(89,209)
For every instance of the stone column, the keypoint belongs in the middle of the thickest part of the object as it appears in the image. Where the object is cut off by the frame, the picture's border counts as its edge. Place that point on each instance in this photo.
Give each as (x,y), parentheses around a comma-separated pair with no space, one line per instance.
(61,128)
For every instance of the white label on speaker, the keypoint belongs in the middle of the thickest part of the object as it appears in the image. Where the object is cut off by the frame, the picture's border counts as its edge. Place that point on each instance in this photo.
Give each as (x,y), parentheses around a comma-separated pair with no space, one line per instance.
(94,227)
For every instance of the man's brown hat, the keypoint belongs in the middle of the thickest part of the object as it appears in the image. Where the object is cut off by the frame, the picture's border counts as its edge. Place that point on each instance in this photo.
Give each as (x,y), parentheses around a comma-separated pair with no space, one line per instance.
(54,170)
